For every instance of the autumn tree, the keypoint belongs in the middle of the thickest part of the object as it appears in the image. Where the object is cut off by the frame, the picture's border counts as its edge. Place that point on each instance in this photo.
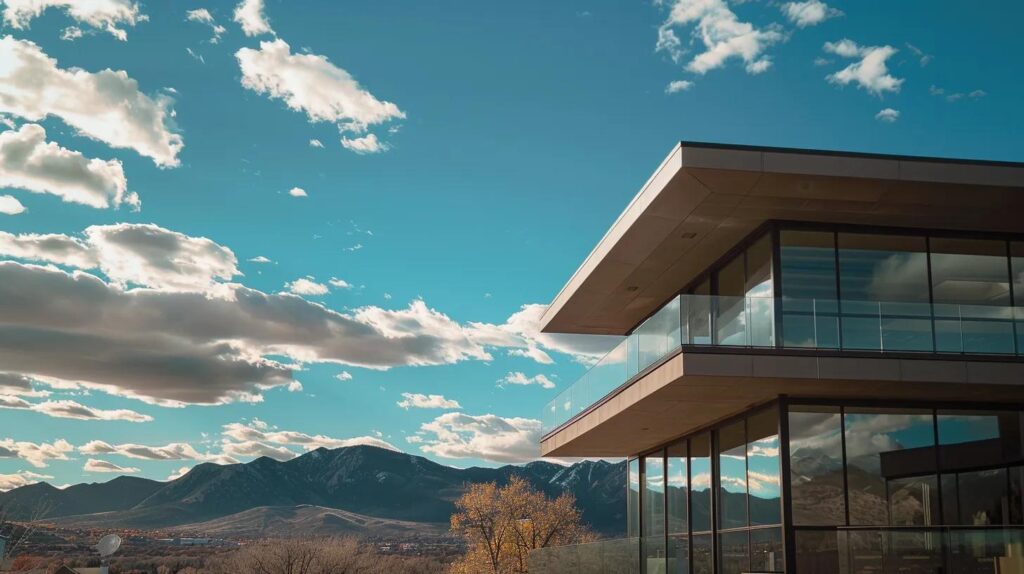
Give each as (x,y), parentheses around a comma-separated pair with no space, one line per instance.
(501,525)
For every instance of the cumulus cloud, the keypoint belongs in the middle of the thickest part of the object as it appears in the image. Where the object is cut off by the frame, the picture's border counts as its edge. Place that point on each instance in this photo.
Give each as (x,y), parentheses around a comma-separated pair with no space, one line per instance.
(297,192)
(103,15)
(888,115)
(20,478)
(316,143)
(260,259)
(185,347)
(97,465)
(869,72)
(520,378)
(421,401)
(132,254)
(722,34)
(809,13)
(29,162)
(171,451)
(344,376)
(339,283)
(678,86)
(105,105)
(9,205)
(203,16)
(179,473)
(249,14)
(311,84)
(68,409)
(364,145)
(487,437)
(36,454)
(19,385)
(307,286)
(257,438)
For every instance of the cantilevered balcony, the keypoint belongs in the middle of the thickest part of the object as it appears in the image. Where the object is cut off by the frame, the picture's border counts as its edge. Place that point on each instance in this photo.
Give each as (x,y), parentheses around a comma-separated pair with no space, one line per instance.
(739,351)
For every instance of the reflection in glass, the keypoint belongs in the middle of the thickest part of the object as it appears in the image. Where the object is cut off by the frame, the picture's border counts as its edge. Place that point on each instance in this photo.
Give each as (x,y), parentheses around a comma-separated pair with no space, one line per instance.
(734,552)
(763,468)
(983,497)
(730,324)
(678,554)
(659,335)
(653,520)
(677,481)
(890,466)
(817,551)
(700,483)
(816,465)
(698,312)
(766,553)
(883,281)
(971,287)
(703,556)
(633,499)
(732,468)
(807,261)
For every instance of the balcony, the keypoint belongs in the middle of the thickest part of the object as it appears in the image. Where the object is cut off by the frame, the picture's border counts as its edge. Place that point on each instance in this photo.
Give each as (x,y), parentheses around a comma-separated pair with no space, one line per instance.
(703,323)
(908,550)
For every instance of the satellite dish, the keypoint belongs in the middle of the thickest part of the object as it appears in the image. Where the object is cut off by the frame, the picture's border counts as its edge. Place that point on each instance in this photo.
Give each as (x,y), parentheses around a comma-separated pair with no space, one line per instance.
(108,545)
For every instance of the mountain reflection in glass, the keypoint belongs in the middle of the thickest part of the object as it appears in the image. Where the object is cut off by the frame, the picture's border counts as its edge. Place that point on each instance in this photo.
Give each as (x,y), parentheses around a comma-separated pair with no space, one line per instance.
(816,465)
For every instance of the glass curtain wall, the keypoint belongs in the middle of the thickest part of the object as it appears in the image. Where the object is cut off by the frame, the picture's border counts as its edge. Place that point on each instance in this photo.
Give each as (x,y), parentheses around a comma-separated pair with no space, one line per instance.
(909,490)
(714,497)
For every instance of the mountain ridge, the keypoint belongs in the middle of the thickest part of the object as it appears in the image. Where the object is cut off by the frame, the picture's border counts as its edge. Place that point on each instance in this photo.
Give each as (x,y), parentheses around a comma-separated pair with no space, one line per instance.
(365,481)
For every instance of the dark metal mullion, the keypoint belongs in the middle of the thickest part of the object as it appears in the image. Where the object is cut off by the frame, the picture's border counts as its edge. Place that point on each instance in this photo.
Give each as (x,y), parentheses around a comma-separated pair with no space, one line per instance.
(931,293)
(777,284)
(746,486)
(839,296)
(938,464)
(716,565)
(788,531)
(1013,302)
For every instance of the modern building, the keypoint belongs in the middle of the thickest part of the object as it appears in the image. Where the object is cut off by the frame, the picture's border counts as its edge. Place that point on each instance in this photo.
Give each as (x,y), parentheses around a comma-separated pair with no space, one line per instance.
(822,368)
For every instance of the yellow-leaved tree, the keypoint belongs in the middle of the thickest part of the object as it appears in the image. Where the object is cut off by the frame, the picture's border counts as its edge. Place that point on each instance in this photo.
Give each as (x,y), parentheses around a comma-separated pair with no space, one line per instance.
(501,524)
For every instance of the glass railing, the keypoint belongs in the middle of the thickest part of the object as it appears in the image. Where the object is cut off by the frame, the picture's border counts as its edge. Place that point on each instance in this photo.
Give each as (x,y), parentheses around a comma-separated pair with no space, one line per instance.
(766,322)
(621,556)
(912,550)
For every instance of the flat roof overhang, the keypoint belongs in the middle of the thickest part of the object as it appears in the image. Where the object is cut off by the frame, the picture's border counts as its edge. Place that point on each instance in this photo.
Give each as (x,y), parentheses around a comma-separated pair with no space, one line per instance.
(705,198)
(694,390)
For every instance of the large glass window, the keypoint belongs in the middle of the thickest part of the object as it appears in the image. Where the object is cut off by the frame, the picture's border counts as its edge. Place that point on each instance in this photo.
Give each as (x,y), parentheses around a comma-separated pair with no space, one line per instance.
(700,483)
(807,261)
(677,480)
(971,289)
(890,467)
(633,498)
(732,467)
(653,520)
(763,468)
(883,284)
(816,465)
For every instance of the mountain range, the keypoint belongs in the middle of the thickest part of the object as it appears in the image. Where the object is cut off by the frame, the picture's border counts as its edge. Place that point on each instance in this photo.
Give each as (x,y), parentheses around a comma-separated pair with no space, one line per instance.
(359,489)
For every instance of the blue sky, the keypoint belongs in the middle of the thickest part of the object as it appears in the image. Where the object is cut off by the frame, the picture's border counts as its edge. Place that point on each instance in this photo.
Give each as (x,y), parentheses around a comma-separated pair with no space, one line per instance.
(488,149)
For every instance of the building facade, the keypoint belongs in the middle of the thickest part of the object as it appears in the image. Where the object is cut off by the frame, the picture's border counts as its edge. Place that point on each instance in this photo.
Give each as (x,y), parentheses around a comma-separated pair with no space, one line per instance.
(821,370)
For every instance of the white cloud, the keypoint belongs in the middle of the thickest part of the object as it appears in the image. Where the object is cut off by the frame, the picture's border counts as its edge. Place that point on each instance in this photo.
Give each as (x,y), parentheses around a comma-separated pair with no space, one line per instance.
(171,451)
(488,437)
(340,283)
(955,96)
(132,254)
(921,56)
(97,465)
(869,72)
(421,401)
(29,162)
(105,105)
(203,16)
(19,385)
(344,376)
(307,286)
(355,247)
(20,478)
(259,439)
(723,35)
(297,192)
(888,115)
(809,13)
(521,332)
(67,409)
(100,14)
(249,13)
(260,259)
(36,454)
(316,143)
(364,145)
(71,33)
(179,473)
(9,205)
(677,86)
(519,378)
(311,84)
